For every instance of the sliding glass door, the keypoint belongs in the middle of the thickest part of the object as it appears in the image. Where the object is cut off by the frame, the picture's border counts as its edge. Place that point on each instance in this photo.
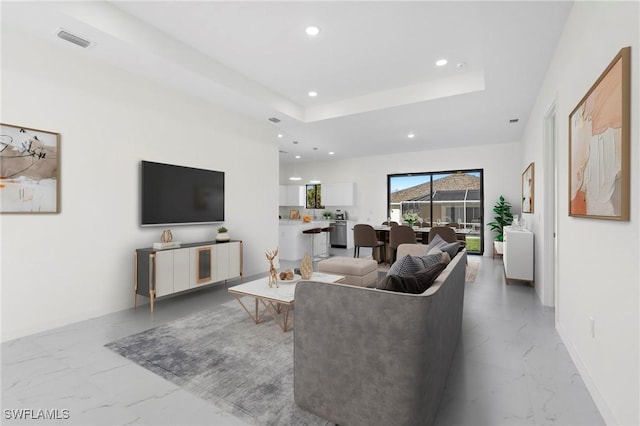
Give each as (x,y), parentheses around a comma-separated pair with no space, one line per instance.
(453,198)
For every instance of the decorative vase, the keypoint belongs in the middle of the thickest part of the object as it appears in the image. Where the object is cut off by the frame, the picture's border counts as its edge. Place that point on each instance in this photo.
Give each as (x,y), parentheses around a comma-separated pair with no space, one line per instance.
(306,267)
(499,247)
(223,236)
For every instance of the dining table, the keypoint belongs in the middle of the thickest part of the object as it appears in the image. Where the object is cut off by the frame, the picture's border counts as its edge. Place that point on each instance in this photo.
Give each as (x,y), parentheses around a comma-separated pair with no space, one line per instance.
(422,235)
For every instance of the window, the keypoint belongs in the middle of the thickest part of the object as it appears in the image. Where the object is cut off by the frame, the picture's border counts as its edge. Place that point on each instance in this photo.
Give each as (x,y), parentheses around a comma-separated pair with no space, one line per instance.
(441,198)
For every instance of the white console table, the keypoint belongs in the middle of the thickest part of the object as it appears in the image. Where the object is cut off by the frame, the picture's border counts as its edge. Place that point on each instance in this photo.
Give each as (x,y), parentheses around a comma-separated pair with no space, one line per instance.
(163,272)
(518,254)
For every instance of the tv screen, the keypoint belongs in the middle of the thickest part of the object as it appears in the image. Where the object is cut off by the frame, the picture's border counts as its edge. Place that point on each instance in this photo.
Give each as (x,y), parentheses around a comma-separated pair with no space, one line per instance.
(180,195)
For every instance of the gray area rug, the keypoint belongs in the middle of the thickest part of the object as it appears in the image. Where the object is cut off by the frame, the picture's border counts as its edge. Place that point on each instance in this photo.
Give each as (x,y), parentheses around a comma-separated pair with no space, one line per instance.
(222,356)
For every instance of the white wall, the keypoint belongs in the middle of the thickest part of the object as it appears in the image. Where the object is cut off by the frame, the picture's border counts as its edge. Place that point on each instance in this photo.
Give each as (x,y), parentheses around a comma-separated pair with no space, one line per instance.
(501,176)
(66,267)
(598,259)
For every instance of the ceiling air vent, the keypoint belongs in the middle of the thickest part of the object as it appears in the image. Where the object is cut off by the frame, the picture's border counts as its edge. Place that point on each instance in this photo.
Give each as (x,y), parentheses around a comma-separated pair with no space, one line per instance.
(514,120)
(78,41)
(274,120)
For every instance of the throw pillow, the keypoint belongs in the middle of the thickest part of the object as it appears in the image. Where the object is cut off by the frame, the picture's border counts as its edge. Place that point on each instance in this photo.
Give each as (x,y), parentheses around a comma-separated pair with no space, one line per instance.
(407,265)
(414,283)
(432,259)
(451,248)
(436,242)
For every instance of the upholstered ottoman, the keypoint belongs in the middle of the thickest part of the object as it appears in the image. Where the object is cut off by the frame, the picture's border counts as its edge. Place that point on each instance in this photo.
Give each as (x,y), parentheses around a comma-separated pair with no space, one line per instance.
(356,271)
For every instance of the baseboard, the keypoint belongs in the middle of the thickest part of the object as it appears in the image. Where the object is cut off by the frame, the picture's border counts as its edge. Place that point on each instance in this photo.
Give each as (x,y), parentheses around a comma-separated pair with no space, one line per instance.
(599,400)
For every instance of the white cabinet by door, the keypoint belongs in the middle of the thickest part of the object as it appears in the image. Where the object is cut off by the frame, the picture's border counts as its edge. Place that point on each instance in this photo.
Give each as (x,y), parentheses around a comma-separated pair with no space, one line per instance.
(518,254)
(338,194)
(292,195)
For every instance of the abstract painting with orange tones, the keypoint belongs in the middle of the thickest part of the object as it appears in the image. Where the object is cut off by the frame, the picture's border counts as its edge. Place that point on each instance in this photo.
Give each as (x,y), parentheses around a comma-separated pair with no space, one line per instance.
(599,146)
(29,163)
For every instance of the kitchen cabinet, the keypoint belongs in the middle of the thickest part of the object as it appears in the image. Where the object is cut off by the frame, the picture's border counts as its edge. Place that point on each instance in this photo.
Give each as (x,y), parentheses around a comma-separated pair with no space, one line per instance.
(293,244)
(292,195)
(518,254)
(338,194)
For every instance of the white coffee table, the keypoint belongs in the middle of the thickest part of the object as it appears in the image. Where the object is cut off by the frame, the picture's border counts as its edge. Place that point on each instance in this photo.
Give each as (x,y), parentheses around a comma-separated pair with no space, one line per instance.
(276,300)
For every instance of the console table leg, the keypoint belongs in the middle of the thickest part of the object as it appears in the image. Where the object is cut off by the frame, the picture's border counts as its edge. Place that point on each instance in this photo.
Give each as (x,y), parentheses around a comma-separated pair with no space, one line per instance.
(152,296)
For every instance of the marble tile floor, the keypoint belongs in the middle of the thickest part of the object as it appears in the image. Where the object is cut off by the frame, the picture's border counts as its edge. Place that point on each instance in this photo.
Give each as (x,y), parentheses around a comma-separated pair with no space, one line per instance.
(511,368)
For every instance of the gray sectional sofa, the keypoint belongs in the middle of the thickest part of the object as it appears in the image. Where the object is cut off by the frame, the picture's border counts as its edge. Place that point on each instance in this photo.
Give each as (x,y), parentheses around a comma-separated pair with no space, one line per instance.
(365,356)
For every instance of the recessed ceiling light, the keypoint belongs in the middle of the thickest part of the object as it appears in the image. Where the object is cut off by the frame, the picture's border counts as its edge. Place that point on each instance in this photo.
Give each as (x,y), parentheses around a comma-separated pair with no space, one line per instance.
(297,156)
(315,181)
(411,136)
(331,152)
(295,178)
(280,135)
(441,62)
(313,94)
(312,31)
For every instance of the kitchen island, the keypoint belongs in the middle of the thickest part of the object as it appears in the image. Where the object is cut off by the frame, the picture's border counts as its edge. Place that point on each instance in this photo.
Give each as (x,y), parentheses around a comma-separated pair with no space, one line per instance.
(293,244)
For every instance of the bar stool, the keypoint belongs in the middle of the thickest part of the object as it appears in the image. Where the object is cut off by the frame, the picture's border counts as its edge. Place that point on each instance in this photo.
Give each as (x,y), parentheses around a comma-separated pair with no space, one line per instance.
(327,232)
(312,232)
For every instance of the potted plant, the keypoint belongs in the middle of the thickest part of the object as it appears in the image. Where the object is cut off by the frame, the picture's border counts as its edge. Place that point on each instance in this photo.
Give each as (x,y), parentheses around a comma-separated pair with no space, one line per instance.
(223,234)
(503,217)
(326,215)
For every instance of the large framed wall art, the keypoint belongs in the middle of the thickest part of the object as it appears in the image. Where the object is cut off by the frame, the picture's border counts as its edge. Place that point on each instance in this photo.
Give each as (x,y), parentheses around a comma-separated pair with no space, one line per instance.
(29,170)
(527,189)
(599,139)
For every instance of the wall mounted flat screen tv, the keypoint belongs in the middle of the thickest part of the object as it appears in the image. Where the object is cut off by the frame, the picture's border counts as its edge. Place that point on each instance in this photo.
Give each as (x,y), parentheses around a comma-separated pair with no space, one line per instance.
(178,195)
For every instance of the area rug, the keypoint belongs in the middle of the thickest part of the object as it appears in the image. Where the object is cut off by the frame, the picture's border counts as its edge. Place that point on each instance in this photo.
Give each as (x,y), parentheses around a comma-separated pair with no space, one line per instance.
(471,272)
(222,356)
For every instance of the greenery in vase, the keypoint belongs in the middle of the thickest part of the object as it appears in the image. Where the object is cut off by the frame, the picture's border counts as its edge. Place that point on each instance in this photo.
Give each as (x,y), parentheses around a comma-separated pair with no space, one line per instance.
(327,215)
(222,229)
(503,217)
(410,218)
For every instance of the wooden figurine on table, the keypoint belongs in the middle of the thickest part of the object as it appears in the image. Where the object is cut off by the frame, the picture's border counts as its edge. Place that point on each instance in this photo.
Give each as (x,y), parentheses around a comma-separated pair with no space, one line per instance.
(273,278)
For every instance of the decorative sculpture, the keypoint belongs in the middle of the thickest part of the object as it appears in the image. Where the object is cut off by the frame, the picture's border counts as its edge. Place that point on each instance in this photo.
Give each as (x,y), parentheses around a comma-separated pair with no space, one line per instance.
(167,236)
(273,277)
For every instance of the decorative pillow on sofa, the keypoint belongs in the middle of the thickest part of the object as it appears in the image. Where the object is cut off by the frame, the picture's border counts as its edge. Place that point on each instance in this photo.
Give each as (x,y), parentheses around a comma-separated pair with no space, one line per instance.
(435,256)
(406,265)
(431,259)
(451,248)
(413,283)
(436,242)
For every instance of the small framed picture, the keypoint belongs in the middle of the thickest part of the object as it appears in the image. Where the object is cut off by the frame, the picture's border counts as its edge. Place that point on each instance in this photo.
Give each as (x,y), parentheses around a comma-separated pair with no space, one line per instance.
(30,170)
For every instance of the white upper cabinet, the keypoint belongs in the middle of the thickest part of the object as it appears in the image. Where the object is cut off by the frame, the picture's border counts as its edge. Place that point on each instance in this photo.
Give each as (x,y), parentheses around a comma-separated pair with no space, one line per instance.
(292,195)
(338,194)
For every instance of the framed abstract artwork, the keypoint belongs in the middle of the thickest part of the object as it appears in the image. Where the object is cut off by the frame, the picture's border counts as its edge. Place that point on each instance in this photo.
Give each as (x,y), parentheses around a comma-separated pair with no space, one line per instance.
(599,142)
(29,170)
(527,189)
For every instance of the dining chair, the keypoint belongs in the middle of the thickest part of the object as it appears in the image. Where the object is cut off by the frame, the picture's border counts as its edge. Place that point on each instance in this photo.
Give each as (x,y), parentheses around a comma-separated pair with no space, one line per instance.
(390,224)
(365,236)
(400,234)
(453,225)
(445,232)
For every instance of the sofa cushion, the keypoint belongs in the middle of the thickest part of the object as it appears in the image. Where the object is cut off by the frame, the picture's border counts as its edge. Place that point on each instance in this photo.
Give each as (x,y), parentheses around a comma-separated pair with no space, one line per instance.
(406,265)
(412,283)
